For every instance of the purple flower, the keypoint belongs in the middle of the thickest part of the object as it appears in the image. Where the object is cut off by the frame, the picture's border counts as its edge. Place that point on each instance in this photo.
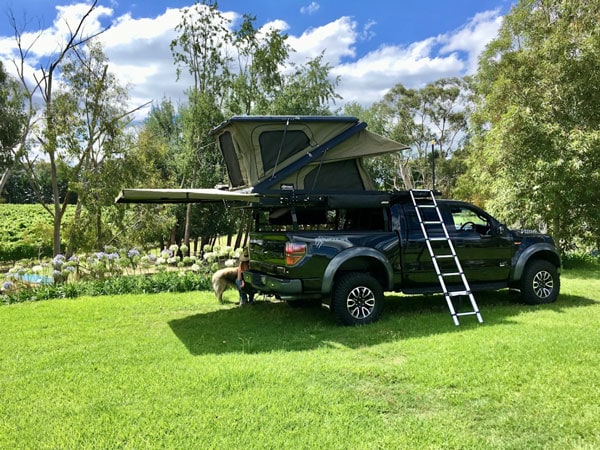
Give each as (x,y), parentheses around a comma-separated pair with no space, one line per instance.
(133,253)
(58,260)
(112,256)
(7,285)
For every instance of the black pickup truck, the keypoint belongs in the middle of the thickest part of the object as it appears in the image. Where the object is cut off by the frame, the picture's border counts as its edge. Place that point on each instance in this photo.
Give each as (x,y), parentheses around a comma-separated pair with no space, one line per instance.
(347,249)
(323,232)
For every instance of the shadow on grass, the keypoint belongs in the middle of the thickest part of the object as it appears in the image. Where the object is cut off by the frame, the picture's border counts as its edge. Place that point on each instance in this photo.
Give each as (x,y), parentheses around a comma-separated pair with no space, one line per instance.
(275,326)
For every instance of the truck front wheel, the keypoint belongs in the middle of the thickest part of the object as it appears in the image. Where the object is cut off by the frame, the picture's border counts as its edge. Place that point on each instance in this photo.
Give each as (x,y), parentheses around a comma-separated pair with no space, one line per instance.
(357,299)
(540,283)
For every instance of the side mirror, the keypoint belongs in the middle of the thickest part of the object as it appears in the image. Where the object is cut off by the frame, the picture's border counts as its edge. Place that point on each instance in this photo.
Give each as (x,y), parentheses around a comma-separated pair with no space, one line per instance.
(501,229)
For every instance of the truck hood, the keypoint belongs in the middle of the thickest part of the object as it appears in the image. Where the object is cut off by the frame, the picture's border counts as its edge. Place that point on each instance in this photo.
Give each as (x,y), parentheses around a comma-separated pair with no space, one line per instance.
(531,236)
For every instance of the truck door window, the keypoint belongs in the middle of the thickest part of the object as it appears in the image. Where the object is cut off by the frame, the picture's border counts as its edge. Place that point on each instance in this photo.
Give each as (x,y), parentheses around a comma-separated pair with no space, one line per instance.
(467,220)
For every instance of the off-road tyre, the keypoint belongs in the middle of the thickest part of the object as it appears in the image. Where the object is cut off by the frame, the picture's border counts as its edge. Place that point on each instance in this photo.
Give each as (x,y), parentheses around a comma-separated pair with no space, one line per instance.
(357,299)
(540,283)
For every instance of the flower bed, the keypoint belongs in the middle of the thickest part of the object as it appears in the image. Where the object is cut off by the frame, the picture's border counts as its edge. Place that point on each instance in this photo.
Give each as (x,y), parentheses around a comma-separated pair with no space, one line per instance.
(114,272)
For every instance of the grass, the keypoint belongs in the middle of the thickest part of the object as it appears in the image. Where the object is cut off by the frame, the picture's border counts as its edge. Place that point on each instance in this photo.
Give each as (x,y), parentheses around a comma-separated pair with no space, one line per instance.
(178,370)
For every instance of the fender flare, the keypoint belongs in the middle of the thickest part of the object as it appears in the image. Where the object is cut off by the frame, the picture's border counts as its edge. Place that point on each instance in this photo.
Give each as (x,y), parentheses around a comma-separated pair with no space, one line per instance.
(346,255)
(527,254)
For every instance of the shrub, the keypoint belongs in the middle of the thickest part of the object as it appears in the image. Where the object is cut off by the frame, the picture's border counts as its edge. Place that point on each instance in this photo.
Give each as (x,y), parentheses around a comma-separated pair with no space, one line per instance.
(574,260)
(132,284)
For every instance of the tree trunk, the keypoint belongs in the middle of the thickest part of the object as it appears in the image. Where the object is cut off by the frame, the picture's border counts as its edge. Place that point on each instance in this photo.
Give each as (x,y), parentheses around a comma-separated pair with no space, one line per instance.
(5,176)
(99,240)
(56,236)
(76,219)
(188,225)
(240,233)
(172,237)
(557,232)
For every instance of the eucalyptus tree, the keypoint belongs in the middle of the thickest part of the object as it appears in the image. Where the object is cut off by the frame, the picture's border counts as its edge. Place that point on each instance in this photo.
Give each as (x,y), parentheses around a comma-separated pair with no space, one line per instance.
(255,67)
(431,120)
(92,121)
(43,125)
(150,162)
(200,48)
(308,89)
(536,137)
(245,70)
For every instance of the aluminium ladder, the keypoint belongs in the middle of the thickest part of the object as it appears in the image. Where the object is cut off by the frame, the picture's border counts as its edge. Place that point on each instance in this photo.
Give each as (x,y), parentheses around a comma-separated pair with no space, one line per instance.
(425,199)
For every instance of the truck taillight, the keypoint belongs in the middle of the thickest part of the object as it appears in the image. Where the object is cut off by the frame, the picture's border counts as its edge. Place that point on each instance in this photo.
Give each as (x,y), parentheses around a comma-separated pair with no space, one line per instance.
(294,253)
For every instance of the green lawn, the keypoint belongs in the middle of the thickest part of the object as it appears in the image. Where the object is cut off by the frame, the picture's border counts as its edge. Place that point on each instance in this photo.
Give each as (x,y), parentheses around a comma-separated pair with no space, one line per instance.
(181,371)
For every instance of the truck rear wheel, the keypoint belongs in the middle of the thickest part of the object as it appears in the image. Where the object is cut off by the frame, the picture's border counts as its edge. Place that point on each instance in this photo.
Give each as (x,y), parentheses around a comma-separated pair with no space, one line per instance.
(357,299)
(540,283)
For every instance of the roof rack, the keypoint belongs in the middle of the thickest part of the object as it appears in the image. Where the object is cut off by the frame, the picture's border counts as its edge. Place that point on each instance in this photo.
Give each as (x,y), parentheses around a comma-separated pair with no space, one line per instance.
(331,199)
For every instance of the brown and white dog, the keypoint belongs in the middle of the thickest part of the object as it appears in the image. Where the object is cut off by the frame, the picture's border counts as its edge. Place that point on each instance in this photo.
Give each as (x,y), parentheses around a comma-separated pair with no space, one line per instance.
(223,279)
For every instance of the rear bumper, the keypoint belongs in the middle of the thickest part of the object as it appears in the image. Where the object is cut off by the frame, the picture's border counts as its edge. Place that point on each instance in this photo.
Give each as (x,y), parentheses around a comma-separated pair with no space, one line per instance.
(283,287)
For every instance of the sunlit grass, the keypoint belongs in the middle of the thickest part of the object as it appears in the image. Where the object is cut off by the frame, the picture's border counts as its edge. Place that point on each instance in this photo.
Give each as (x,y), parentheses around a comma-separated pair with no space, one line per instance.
(182,371)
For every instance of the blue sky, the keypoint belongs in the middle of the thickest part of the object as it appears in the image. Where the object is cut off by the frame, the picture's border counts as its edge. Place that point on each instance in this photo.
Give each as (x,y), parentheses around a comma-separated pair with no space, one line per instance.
(371,45)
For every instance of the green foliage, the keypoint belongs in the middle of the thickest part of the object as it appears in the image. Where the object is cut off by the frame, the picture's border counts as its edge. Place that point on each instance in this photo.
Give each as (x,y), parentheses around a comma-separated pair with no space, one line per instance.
(25,232)
(535,151)
(199,47)
(581,260)
(308,90)
(12,116)
(432,121)
(256,79)
(20,188)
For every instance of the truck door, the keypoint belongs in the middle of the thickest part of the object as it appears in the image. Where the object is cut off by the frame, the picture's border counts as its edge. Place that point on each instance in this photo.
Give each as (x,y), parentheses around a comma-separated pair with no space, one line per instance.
(418,270)
(484,251)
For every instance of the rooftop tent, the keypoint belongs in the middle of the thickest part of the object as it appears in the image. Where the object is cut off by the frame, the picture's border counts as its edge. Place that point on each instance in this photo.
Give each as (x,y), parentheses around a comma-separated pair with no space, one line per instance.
(306,152)
(267,155)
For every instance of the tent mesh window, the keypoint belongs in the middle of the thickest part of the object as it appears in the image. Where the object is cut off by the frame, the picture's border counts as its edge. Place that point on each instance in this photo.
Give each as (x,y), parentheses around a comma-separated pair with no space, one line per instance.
(231,161)
(276,146)
(341,175)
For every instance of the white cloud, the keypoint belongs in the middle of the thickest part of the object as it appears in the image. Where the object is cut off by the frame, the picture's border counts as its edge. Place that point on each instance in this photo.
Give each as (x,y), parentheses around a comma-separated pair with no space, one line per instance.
(139,52)
(473,37)
(310,9)
(368,78)
(337,38)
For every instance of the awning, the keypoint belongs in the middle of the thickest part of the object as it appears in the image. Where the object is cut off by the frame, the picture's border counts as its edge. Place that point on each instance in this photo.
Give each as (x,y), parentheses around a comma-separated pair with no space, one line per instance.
(184,196)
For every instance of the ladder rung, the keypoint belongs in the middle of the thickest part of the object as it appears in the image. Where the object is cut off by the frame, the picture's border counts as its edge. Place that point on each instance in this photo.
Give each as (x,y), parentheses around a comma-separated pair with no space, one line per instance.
(438,239)
(432,222)
(458,293)
(429,205)
(443,256)
(452,274)
(469,313)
